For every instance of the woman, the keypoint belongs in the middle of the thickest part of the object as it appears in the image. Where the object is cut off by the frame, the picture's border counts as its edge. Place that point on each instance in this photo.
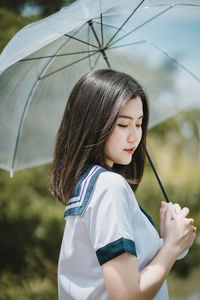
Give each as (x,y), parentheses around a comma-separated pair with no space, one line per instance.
(110,247)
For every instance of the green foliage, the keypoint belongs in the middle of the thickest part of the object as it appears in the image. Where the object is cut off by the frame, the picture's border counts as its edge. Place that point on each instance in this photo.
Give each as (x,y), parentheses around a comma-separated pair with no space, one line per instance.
(34,289)
(46,7)
(10,23)
(51,6)
(31,223)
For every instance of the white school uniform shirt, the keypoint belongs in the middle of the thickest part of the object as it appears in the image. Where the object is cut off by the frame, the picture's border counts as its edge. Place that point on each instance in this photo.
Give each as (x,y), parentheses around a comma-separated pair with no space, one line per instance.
(103,220)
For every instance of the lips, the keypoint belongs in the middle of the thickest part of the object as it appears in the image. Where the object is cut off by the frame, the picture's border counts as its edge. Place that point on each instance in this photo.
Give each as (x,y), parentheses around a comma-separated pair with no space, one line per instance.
(130,150)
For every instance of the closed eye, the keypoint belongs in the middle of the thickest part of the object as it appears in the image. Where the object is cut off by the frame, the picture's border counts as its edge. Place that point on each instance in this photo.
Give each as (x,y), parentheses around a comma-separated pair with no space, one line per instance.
(123,126)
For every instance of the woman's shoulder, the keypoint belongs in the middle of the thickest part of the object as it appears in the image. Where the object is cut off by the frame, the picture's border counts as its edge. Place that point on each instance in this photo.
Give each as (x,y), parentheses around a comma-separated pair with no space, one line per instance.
(112,184)
(111,179)
(112,192)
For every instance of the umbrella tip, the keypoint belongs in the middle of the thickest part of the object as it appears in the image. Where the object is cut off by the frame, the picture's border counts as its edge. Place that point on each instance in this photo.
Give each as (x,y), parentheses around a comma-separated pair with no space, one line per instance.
(11,173)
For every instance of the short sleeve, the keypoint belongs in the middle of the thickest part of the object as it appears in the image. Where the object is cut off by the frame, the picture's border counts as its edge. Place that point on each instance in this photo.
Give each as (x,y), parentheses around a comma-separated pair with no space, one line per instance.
(110,216)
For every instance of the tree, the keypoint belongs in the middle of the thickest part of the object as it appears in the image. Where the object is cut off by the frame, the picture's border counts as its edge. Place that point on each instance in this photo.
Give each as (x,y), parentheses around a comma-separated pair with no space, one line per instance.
(46,7)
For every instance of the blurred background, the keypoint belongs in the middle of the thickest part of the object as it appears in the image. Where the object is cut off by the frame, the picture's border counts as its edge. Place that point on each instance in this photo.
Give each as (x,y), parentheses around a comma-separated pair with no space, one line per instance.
(31,220)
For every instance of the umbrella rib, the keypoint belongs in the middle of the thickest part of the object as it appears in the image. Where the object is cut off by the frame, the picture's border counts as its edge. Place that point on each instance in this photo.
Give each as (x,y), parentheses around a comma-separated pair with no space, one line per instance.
(94,32)
(124,23)
(108,25)
(101,22)
(60,69)
(84,42)
(187,4)
(175,61)
(102,39)
(176,4)
(96,60)
(130,44)
(90,62)
(141,25)
(20,124)
(55,55)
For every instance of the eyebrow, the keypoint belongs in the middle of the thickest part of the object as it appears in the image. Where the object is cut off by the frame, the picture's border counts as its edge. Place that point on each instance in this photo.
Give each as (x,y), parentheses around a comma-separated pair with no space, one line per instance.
(129,117)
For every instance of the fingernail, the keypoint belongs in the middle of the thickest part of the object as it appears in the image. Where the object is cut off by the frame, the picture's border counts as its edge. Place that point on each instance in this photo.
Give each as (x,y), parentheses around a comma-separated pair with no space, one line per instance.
(164,204)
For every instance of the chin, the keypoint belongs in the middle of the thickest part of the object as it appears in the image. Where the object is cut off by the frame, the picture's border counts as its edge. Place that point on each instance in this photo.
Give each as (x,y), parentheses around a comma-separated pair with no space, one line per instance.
(123,162)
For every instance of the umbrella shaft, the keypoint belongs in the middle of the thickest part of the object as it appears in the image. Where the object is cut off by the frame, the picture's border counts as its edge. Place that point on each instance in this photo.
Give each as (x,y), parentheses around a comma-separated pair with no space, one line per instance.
(157,176)
(101,48)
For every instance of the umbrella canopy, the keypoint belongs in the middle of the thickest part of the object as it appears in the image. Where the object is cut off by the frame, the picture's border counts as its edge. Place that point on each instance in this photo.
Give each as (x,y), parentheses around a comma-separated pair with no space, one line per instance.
(157,42)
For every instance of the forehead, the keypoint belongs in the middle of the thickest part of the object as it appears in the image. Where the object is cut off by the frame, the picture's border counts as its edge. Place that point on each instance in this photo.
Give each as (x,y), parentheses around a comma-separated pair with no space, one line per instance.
(133,108)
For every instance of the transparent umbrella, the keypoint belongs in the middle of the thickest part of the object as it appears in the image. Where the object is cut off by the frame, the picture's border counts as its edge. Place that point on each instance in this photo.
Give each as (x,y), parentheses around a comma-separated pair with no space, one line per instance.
(157,42)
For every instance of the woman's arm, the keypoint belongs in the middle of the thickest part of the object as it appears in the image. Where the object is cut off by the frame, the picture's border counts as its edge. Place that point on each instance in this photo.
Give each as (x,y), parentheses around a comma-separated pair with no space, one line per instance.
(124,281)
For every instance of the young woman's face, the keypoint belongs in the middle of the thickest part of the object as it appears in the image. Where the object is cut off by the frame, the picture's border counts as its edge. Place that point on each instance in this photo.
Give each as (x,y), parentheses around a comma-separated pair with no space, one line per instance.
(126,135)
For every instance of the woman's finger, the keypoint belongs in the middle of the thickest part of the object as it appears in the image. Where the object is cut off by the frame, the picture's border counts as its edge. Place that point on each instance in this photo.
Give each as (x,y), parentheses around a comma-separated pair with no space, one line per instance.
(163,207)
(162,217)
(168,215)
(185,211)
(177,208)
(191,221)
(194,229)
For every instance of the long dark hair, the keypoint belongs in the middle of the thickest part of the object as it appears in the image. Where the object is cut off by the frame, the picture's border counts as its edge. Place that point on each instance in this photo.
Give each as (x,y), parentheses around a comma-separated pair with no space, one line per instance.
(89,118)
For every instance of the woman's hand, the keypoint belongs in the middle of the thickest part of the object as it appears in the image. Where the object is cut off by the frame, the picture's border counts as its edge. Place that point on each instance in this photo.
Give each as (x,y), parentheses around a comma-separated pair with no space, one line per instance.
(178,210)
(179,232)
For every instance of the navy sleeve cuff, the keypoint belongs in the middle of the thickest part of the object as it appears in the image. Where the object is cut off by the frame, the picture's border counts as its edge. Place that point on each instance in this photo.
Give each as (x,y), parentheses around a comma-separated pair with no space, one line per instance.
(115,249)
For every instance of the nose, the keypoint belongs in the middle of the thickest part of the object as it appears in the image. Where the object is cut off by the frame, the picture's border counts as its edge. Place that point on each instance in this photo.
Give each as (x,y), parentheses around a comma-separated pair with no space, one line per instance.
(135,134)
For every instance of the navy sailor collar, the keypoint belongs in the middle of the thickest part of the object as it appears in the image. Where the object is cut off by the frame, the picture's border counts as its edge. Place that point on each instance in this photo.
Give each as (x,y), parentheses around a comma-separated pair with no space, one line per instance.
(82,192)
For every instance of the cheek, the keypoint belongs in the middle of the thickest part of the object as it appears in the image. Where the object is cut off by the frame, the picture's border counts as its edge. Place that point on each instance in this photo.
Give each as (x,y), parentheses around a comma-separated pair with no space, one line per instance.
(113,141)
(115,137)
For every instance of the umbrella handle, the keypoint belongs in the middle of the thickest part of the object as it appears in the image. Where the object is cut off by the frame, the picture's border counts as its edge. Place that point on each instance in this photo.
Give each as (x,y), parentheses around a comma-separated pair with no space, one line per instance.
(174,216)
